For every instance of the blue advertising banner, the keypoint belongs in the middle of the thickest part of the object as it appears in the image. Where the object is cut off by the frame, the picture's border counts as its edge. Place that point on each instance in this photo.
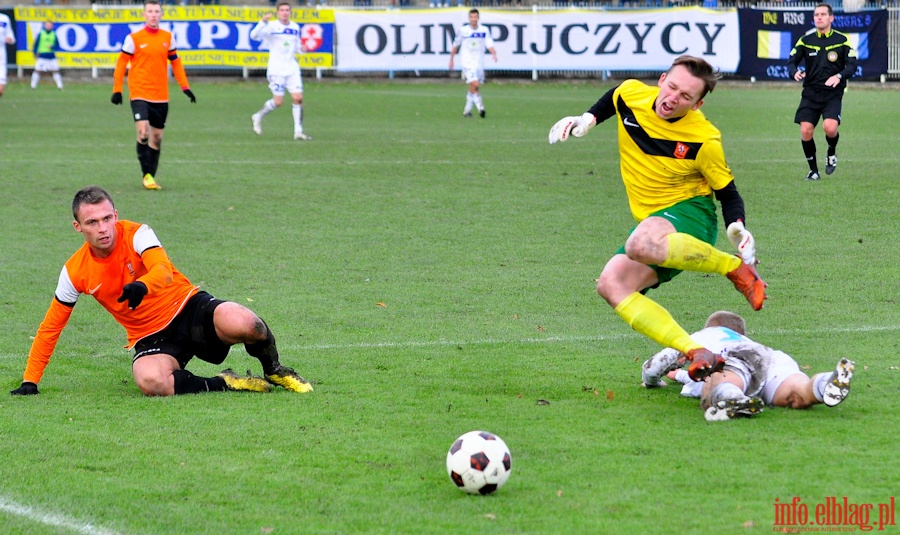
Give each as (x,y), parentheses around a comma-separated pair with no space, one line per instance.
(767,37)
(203,35)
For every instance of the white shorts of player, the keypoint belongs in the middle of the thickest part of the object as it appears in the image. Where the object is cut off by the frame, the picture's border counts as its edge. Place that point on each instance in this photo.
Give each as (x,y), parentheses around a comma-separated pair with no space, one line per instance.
(473,75)
(46,65)
(781,366)
(292,83)
(3,69)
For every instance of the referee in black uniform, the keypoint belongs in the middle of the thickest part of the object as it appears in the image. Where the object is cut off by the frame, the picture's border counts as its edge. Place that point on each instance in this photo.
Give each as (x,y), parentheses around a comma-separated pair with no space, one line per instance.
(829,60)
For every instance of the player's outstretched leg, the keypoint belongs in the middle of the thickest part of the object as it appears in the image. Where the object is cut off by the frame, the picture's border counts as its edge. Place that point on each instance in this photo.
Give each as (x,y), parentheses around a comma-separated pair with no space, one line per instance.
(838,387)
(747,281)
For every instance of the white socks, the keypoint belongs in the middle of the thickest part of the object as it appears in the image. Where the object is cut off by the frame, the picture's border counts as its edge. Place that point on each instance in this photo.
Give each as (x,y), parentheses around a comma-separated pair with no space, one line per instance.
(36,77)
(477,99)
(469,102)
(267,107)
(820,381)
(297,111)
(725,391)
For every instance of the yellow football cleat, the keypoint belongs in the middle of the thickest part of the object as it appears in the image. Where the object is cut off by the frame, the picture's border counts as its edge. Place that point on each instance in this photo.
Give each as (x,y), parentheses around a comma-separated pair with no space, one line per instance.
(289,379)
(250,383)
(149,183)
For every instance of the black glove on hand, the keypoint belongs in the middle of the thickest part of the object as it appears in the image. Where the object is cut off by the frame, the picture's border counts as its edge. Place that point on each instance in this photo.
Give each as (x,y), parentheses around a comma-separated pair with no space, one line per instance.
(134,292)
(116,98)
(190,95)
(27,389)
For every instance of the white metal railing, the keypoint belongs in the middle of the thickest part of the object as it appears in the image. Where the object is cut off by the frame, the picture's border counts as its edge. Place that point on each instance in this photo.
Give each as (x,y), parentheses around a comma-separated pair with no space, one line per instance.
(894,40)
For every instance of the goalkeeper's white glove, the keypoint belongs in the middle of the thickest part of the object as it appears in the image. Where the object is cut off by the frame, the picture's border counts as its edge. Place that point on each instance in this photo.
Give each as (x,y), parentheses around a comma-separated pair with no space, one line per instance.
(577,126)
(743,241)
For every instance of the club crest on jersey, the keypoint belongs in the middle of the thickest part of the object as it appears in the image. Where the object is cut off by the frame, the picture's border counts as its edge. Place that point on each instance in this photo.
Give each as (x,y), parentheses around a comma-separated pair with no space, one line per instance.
(832,56)
(681,150)
(130,268)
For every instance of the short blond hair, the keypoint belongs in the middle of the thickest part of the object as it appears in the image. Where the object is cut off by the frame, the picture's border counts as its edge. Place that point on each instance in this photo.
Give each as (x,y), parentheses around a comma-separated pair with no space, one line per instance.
(729,320)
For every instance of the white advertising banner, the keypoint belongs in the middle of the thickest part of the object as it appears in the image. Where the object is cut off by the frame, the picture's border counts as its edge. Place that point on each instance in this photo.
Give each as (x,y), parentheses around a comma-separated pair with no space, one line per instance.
(544,40)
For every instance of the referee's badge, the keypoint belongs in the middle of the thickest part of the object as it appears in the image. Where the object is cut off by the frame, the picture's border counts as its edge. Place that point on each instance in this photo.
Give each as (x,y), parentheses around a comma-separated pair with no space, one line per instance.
(832,56)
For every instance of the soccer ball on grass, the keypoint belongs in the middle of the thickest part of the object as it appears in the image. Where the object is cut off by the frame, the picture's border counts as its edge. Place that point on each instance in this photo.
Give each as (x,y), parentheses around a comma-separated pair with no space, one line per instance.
(479,462)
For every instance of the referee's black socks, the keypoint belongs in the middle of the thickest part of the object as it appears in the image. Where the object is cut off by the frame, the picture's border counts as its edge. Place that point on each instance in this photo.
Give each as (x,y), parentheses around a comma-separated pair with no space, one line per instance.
(809,149)
(832,143)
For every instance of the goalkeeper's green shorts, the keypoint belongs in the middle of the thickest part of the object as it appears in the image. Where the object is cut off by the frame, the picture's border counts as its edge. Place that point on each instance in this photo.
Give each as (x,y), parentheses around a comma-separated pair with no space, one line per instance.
(696,217)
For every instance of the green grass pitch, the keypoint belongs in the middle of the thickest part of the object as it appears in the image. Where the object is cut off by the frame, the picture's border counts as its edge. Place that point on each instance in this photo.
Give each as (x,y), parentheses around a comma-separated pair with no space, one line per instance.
(433,275)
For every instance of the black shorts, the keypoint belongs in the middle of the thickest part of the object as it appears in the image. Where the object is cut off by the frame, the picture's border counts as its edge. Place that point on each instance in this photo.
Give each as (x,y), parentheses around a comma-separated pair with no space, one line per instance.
(191,334)
(155,112)
(815,104)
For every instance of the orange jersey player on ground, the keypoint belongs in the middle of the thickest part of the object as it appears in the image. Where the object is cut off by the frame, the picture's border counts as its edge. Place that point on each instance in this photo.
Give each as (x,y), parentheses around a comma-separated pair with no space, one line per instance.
(149,50)
(168,321)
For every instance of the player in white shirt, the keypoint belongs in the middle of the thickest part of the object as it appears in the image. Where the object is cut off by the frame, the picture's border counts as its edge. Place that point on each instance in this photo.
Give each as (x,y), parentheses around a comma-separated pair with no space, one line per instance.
(283,39)
(471,41)
(754,375)
(7,37)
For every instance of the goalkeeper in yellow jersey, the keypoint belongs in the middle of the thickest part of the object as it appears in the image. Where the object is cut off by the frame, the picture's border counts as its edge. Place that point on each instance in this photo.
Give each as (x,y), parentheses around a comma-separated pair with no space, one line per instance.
(672,163)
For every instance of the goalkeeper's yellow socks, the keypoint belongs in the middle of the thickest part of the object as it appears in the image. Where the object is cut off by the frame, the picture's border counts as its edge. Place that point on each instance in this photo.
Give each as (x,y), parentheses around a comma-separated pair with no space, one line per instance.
(690,254)
(653,321)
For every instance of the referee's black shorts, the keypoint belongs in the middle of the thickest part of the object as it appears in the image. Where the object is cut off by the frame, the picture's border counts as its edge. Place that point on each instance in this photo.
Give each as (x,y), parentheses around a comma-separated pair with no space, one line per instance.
(815,104)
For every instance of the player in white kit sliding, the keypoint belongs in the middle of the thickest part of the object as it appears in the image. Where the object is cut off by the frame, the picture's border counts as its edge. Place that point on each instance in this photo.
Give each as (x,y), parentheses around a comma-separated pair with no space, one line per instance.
(471,41)
(283,72)
(754,375)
